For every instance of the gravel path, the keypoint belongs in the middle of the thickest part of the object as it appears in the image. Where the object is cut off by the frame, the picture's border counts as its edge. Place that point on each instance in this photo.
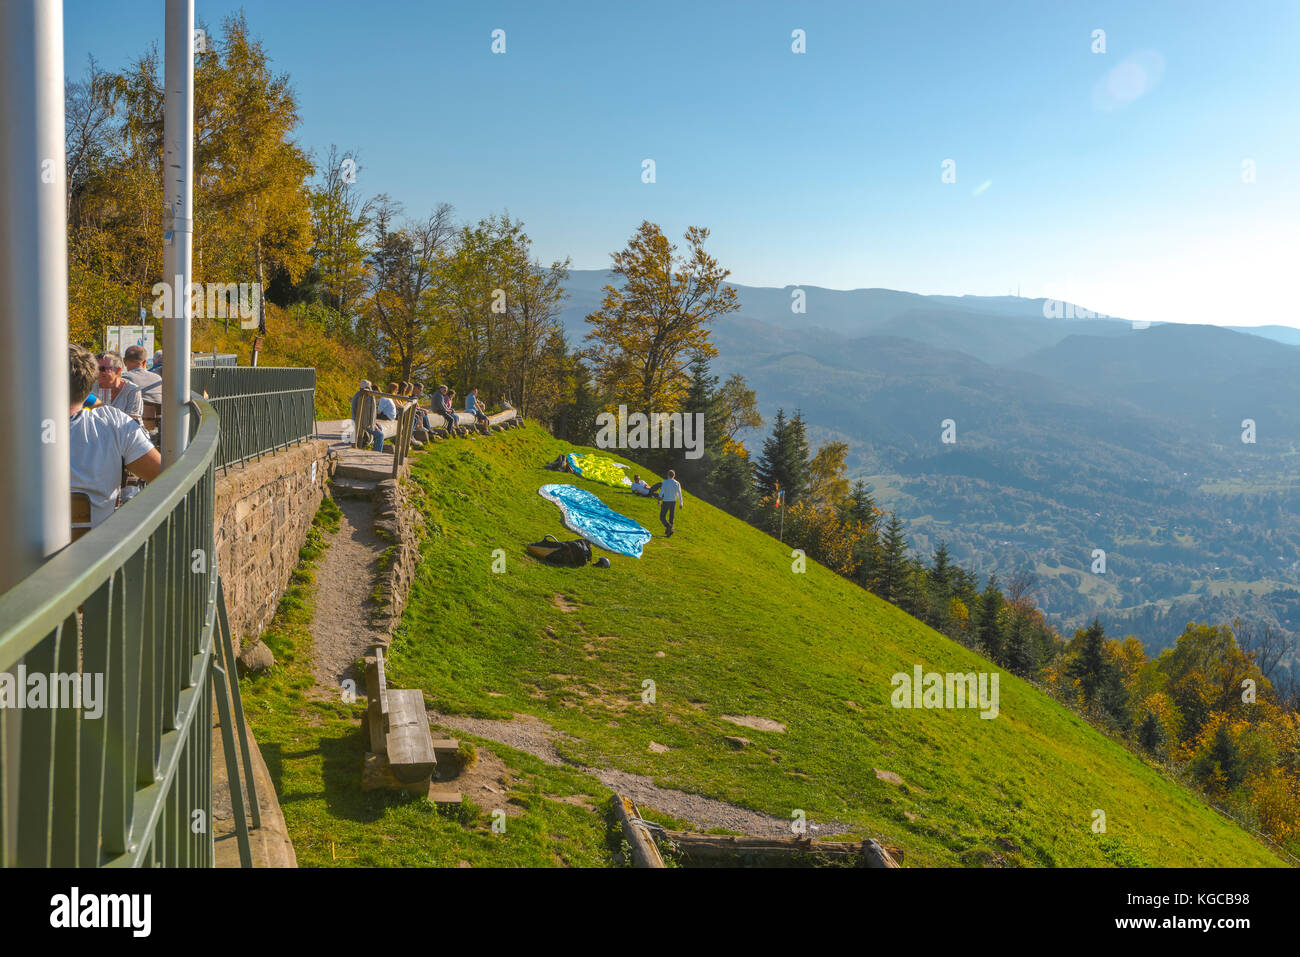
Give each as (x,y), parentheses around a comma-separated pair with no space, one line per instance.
(341,629)
(534,736)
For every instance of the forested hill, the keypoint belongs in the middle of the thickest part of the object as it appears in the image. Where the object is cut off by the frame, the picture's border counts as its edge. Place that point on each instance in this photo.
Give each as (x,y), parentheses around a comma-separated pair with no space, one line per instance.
(1072,434)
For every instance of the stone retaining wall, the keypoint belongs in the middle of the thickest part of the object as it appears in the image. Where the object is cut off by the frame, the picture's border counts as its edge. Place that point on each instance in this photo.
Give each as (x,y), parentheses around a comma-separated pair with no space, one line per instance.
(263,511)
(398,522)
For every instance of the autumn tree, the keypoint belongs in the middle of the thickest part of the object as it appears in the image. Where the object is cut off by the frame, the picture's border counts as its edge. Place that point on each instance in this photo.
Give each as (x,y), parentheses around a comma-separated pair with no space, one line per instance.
(340,220)
(401,270)
(828,482)
(647,329)
(535,294)
(251,211)
(737,411)
(249,173)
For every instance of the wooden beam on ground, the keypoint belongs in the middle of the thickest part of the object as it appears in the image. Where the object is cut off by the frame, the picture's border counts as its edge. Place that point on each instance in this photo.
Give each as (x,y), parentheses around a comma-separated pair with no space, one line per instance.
(645,853)
(723,850)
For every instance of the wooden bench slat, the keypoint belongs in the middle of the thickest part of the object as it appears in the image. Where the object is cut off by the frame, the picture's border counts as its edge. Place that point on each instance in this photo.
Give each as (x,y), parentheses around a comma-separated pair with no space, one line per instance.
(409,741)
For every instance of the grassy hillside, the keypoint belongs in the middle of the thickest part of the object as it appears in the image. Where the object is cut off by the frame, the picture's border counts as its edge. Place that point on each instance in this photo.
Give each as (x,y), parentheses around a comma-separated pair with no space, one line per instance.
(742,634)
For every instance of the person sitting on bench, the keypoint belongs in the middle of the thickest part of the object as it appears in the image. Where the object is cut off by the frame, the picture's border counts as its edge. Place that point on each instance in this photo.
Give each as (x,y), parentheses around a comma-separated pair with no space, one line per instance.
(421,420)
(442,405)
(367,427)
(472,407)
(387,408)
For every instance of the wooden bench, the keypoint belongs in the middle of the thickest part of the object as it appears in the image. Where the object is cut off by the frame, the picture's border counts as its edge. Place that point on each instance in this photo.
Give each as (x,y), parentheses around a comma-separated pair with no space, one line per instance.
(403,754)
(505,419)
(152,416)
(396,432)
(80,514)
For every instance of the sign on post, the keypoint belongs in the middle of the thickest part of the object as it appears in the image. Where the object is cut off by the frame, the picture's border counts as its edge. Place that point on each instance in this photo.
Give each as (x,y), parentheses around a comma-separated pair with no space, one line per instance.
(120,338)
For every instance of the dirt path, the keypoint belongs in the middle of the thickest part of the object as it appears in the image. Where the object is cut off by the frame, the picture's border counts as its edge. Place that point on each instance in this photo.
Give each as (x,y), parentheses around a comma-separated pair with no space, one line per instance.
(341,629)
(534,736)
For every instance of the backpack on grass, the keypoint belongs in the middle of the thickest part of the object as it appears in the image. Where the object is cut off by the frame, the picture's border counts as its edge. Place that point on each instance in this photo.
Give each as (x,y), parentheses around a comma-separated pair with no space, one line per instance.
(574,554)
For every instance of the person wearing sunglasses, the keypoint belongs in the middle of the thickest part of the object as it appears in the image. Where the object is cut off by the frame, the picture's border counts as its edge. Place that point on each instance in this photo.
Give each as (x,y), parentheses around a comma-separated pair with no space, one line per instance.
(113,390)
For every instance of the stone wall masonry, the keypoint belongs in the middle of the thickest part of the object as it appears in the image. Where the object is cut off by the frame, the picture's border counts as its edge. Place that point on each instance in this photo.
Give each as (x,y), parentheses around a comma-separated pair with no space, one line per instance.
(399,523)
(263,511)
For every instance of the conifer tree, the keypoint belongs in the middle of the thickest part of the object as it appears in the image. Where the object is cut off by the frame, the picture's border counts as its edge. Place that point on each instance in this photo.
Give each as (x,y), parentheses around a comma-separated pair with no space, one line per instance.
(1089,666)
(892,575)
(989,632)
(733,485)
(701,399)
(1151,735)
(784,462)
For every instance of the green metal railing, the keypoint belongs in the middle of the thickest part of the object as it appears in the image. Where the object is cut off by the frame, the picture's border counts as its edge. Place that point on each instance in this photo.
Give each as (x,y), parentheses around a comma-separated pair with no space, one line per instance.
(262,409)
(138,601)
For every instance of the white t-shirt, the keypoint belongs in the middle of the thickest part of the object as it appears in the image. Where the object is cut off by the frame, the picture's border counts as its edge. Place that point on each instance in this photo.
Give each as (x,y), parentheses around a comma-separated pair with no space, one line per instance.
(129,399)
(670,491)
(103,440)
(640,487)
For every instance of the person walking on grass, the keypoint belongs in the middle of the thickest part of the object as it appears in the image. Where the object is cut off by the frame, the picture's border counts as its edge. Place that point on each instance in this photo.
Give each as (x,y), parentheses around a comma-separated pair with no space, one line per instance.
(670,496)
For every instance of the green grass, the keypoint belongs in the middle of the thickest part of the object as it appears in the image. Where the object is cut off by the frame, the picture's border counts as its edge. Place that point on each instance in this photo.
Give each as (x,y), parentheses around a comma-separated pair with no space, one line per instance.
(740,634)
(314,751)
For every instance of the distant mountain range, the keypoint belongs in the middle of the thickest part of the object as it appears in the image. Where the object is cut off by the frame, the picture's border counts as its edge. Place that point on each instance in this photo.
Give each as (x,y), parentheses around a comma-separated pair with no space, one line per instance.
(1073,434)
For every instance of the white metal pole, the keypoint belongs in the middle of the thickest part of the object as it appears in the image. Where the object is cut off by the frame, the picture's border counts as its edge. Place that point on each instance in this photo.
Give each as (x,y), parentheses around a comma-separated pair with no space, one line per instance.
(34,472)
(178,175)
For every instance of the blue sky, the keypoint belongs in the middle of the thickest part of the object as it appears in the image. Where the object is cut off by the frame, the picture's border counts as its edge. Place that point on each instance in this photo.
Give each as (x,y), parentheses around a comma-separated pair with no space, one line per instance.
(1110,179)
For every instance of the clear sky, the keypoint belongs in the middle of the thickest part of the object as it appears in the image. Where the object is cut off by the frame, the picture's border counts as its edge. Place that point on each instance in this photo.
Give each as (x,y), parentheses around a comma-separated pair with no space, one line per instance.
(1112,179)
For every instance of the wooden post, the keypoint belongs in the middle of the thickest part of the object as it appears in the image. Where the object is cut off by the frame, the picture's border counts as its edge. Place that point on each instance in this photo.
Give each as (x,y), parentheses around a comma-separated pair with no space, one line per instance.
(645,853)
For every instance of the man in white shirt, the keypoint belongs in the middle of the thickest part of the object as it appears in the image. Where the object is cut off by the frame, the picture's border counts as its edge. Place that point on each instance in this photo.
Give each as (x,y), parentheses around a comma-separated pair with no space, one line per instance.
(640,487)
(102,440)
(149,383)
(670,496)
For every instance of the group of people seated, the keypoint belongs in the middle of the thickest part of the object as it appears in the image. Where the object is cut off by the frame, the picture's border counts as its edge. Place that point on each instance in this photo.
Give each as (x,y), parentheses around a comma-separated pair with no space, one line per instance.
(400,394)
(106,434)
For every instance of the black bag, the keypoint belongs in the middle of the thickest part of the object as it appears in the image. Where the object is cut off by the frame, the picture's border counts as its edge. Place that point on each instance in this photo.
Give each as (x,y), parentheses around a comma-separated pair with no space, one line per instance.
(574,554)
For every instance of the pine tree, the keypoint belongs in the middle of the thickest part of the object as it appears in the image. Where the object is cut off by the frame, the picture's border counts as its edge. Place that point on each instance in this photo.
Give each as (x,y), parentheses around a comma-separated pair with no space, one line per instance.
(860,506)
(784,462)
(1222,766)
(1113,698)
(701,399)
(988,632)
(941,570)
(1089,666)
(1019,654)
(799,471)
(769,472)
(732,482)
(1151,734)
(891,577)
